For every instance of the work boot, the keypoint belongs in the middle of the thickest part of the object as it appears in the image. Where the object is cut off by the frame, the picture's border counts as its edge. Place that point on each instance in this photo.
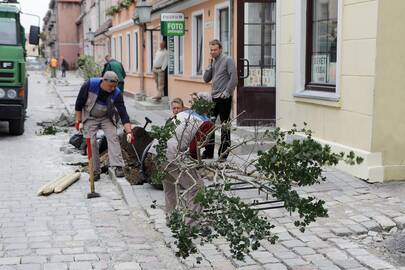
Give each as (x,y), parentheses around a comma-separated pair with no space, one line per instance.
(119,172)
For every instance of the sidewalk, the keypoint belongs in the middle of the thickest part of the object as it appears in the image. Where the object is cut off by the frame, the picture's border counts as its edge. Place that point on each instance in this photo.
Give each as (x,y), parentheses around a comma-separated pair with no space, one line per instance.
(361,215)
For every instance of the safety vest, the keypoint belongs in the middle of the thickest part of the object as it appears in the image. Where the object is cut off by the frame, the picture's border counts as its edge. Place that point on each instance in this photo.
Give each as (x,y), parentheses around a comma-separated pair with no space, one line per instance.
(54,62)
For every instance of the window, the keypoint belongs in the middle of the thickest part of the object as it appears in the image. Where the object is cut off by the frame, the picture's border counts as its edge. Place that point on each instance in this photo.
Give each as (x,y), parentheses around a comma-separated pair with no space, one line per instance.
(150,51)
(8,31)
(113,48)
(120,48)
(136,63)
(129,51)
(223,28)
(259,43)
(198,40)
(321,45)
(179,54)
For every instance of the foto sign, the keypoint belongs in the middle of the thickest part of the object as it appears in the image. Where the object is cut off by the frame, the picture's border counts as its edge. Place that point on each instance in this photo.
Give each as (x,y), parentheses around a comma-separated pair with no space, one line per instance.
(172,24)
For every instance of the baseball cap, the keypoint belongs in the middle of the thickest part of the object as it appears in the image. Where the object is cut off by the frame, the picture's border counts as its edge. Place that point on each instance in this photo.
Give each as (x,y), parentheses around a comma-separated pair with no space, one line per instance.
(110,76)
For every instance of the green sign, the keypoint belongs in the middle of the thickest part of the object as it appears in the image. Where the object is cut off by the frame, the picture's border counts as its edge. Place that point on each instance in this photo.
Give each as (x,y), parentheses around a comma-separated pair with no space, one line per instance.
(172,24)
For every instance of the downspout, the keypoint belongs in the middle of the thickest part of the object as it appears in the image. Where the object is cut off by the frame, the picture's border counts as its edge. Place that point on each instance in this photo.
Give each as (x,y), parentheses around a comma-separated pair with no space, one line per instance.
(232,51)
(108,43)
(231,9)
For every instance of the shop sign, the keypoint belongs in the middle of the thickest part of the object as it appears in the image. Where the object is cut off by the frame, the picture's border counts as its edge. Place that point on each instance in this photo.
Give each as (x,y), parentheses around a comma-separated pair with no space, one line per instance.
(172,24)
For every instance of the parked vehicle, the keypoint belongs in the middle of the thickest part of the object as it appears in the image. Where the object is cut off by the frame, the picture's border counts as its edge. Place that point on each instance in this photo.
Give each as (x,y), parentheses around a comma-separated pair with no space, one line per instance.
(35,63)
(13,76)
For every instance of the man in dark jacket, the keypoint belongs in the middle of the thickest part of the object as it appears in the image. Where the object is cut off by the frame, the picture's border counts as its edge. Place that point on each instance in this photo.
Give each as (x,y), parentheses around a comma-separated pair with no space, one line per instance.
(116,66)
(96,104)
(222,73)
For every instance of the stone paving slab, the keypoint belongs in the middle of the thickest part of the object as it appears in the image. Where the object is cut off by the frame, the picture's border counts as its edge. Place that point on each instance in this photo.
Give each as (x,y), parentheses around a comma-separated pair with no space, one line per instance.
(330,238)
(66,230)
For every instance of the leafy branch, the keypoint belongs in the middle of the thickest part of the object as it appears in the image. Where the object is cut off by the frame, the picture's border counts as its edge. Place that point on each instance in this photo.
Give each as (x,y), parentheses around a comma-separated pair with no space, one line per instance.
(88,67)
(162,134)
(201,105)
(114,9)
(294,161)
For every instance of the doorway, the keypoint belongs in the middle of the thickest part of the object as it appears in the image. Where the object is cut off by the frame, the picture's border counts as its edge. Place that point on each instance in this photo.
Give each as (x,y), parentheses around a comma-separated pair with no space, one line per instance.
(256,65)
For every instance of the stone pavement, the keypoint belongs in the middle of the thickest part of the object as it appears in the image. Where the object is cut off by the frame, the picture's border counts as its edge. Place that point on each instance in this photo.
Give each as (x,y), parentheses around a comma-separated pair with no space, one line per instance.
(360,214)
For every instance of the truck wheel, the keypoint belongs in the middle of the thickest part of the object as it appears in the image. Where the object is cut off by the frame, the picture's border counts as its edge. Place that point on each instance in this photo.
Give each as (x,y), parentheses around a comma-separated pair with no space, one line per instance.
(16,127)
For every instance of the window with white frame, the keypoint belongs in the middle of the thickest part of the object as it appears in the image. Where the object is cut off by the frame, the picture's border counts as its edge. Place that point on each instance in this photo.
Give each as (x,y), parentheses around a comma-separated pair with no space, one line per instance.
(120,48)
(198,42)
(129,58)
(113,48)
(179,54)
(136,52)
(321,46)
(150,51)
(222,27)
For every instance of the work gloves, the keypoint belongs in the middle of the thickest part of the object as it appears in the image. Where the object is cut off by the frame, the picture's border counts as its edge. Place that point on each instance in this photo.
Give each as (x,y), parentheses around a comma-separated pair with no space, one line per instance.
(130,138)
(78,125)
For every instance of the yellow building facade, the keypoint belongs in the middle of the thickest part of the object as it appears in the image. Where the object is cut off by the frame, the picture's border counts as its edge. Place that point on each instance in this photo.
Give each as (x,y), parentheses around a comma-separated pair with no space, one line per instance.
(363,112)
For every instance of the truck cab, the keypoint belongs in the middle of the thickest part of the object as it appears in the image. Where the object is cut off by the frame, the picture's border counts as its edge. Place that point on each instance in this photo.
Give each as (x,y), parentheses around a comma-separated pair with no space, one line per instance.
(13,77)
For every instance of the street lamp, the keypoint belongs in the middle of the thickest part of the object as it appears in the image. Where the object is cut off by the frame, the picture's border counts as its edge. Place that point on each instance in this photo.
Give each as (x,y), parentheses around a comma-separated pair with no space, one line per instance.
(143,12)
(90,36)
(90,39)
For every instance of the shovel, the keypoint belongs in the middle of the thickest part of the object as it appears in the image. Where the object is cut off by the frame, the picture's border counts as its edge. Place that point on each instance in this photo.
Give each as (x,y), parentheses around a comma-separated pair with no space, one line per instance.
(93,193)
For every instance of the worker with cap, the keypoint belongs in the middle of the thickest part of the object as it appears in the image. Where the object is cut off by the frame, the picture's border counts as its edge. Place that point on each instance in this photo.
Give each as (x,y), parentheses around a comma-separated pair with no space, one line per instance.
(97,105)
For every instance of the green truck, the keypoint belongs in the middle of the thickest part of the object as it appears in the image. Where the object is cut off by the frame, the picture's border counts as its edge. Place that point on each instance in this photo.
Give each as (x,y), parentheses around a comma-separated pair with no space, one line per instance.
(13,75)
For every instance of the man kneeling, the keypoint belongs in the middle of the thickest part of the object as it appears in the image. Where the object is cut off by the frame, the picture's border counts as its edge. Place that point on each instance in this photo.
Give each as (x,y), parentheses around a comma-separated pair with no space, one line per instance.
(191,130)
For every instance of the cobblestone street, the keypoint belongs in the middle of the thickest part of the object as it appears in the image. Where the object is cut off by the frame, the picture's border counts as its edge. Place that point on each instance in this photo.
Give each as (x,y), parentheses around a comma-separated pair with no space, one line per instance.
(65,231)
(121,231)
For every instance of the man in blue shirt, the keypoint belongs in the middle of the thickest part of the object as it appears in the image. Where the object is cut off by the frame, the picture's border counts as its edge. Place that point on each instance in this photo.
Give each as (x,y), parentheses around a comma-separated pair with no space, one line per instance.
(96,107)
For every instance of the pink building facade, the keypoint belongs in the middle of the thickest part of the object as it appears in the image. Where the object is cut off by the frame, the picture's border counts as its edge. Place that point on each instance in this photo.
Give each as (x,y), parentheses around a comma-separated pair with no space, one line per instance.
(67,30)
(62,31)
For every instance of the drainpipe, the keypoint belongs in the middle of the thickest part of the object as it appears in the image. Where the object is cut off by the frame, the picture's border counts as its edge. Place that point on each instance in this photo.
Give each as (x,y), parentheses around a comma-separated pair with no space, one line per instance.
(231,52)
(231,7)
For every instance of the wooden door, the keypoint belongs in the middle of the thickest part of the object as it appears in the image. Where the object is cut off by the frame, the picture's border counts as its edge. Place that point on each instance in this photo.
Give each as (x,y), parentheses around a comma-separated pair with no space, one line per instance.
(256,65)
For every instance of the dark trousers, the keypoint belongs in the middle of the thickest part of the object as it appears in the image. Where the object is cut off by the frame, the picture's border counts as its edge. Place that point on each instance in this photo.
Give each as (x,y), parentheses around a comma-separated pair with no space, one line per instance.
(223,109)
(200,136)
